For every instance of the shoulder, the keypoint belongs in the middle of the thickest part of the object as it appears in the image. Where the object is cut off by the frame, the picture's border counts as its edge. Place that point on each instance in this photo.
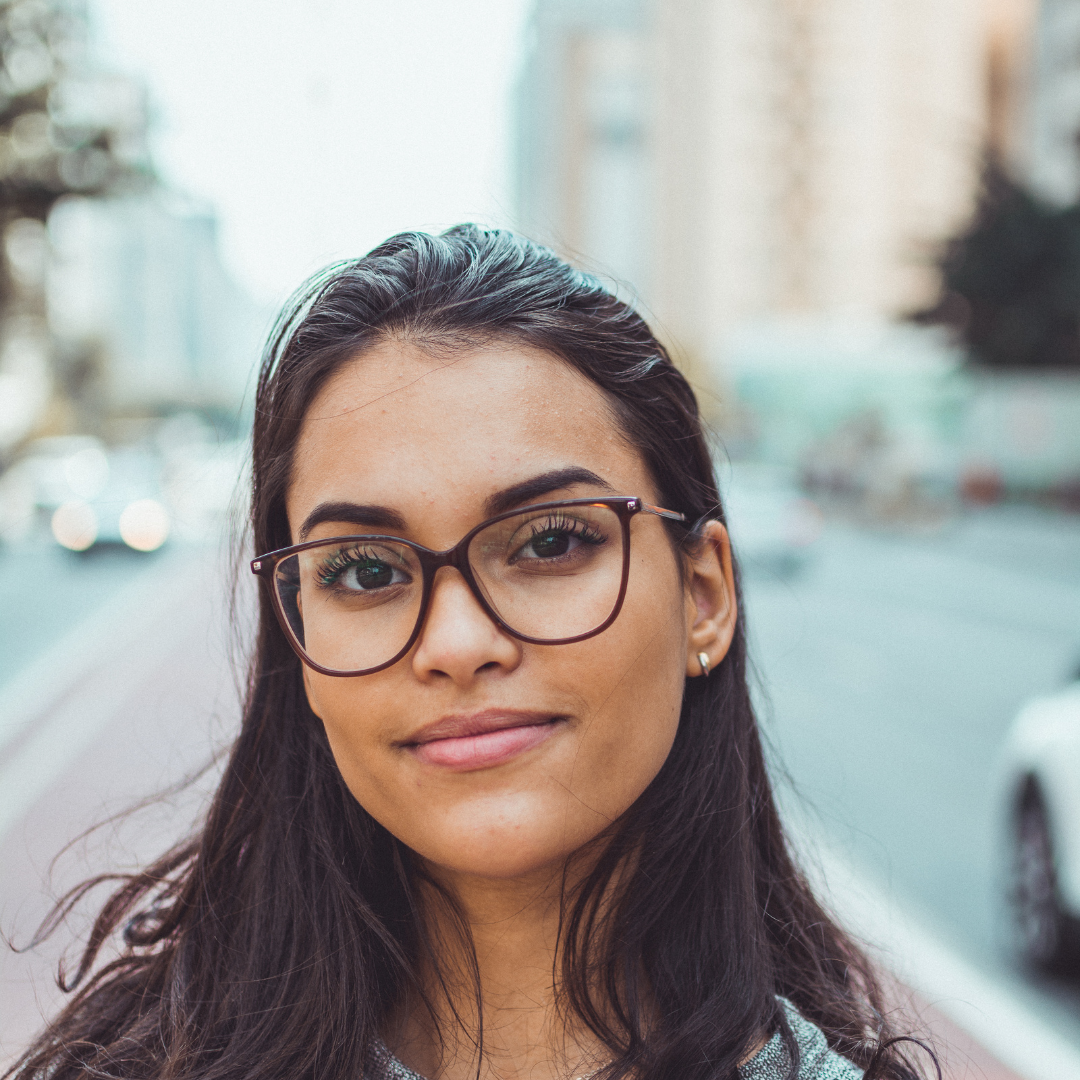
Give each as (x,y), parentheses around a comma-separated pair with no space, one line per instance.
(816,1060)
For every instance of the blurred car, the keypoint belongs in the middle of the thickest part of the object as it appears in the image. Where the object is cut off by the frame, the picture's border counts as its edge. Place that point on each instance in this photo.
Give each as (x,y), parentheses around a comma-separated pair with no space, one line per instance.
(773,526)
(92,495)
(1041,775)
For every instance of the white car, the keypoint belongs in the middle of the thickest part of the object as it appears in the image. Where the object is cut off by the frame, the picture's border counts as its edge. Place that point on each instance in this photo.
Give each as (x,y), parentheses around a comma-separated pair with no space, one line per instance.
(1042,778)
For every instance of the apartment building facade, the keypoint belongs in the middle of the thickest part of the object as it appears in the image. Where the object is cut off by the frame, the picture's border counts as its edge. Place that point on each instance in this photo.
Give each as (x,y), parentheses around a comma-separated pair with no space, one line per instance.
(732,162)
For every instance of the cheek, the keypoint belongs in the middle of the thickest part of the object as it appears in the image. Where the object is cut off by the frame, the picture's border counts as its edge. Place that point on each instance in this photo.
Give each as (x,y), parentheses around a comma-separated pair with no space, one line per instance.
(622,691)
(351,712)
(634,675)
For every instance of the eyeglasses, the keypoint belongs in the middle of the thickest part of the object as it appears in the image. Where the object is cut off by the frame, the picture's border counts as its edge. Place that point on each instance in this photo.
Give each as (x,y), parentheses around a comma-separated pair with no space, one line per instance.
(549,574)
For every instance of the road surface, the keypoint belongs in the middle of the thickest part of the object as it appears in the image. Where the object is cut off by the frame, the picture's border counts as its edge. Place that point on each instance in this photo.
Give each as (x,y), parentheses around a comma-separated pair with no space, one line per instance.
(889,671)
(133,697)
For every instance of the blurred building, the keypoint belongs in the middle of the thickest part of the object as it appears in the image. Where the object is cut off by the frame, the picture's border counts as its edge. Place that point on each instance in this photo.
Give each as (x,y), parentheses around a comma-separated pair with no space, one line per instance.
(65,126)
(585,165)
(824,148)
(774,180)
(740,159)
(113,301)
(1049,156)
(145,316)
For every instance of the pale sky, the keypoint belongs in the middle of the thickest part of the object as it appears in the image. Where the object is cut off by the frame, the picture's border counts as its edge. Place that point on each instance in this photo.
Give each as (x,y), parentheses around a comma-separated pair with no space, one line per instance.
(318,128)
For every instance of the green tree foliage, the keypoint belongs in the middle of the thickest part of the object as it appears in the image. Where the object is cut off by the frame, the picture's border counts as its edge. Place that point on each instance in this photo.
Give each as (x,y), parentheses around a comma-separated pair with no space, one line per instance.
(1011,281)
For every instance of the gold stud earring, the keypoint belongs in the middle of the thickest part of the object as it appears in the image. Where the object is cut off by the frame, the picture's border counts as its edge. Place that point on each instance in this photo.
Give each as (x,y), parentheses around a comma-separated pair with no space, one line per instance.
(703,660)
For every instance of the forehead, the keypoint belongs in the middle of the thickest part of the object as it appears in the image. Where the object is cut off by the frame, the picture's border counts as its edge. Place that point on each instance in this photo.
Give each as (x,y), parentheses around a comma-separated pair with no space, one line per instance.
(405,426)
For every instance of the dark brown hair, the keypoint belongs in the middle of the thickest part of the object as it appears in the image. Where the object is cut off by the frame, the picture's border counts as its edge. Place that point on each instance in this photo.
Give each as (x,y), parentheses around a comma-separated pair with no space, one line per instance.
(274,943)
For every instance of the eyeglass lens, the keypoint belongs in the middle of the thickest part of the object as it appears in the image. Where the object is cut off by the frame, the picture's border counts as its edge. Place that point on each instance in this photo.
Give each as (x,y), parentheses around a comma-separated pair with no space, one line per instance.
(548,574)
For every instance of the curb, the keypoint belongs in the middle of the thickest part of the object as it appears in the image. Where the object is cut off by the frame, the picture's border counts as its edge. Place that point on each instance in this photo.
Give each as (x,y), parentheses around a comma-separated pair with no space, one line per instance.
(975,1001)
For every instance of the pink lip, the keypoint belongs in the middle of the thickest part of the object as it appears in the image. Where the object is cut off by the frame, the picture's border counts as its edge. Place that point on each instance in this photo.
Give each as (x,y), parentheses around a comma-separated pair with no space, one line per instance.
(482,740)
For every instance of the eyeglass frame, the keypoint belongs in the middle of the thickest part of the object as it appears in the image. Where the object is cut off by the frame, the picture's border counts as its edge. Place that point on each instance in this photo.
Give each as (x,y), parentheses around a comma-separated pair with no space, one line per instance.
(457,556)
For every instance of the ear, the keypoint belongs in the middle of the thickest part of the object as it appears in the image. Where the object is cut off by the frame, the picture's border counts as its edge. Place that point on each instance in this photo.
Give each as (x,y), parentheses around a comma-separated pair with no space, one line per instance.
(711,609)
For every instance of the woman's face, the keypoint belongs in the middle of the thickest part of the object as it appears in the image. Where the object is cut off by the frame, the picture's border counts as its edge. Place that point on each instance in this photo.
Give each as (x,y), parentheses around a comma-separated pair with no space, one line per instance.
(572,734)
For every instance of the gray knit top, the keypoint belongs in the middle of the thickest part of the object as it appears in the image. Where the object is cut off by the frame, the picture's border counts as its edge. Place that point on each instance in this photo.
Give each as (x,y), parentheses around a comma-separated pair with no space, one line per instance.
(771,1062)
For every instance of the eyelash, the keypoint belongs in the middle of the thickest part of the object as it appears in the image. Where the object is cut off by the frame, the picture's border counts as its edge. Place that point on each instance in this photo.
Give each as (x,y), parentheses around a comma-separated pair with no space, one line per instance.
(335,565)
(580,529)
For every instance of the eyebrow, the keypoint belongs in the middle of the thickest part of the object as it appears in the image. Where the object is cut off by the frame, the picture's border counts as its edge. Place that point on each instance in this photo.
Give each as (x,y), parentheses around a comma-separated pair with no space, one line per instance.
(373,516)
(544,484)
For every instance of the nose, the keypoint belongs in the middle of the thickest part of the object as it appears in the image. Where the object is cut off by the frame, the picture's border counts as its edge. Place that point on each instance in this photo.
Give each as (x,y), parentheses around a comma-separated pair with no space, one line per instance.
(458,640)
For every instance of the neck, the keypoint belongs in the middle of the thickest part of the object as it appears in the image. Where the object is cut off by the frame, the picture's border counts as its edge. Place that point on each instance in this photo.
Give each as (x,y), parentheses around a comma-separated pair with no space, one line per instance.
(514,929)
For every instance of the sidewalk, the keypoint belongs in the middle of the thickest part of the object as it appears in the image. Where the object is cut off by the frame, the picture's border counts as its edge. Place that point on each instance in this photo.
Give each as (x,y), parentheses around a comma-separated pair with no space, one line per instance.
(980,1026)
(149,692)
(125,706)
(960,1056)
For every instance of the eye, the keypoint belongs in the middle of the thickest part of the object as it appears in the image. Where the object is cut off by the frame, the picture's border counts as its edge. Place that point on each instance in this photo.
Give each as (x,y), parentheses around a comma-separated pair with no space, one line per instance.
(362,571)
(371,574)
(550,544)
(559,539)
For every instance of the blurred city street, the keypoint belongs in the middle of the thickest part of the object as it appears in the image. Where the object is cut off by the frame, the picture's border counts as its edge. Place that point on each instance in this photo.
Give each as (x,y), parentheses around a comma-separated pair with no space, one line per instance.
(890,666)
(854,227)
(120,686)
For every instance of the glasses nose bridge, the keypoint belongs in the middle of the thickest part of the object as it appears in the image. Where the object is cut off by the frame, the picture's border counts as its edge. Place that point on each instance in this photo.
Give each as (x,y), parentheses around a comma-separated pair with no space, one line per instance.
(456,558)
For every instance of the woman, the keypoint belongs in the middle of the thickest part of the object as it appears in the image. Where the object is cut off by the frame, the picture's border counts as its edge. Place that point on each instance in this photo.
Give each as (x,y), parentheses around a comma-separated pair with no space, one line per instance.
(498,807)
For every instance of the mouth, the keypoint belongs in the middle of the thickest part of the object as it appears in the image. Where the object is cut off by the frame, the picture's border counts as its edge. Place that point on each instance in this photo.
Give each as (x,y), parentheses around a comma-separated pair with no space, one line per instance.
(481,740)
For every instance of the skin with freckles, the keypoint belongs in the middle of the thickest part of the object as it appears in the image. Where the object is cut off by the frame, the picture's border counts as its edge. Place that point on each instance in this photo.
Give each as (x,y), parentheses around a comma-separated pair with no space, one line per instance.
(433,437)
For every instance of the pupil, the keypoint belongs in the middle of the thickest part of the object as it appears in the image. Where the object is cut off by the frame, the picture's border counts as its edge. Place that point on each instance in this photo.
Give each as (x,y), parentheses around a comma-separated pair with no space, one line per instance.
(374,575)
(551,545)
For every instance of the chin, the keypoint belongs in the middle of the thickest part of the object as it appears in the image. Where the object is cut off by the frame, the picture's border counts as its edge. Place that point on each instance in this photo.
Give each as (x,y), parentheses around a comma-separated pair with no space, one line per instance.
(502,844)
(500,865)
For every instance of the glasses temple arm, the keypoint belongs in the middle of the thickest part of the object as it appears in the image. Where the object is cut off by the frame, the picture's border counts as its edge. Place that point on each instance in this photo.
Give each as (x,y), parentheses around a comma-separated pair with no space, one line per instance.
(659,511)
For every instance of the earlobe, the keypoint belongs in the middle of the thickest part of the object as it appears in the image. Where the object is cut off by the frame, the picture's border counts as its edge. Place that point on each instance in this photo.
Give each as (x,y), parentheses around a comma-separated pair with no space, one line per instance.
(711,606)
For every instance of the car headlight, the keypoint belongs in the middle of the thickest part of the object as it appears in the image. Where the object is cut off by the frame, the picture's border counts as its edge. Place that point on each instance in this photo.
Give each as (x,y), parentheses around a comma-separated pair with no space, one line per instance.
(75,525)
(144,525)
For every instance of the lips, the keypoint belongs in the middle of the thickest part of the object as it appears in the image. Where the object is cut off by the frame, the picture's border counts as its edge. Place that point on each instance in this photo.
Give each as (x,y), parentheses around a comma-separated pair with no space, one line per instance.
(482,740)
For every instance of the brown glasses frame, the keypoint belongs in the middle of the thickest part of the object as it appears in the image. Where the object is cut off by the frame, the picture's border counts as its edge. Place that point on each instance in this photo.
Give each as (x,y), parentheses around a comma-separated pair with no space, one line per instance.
(625,506)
